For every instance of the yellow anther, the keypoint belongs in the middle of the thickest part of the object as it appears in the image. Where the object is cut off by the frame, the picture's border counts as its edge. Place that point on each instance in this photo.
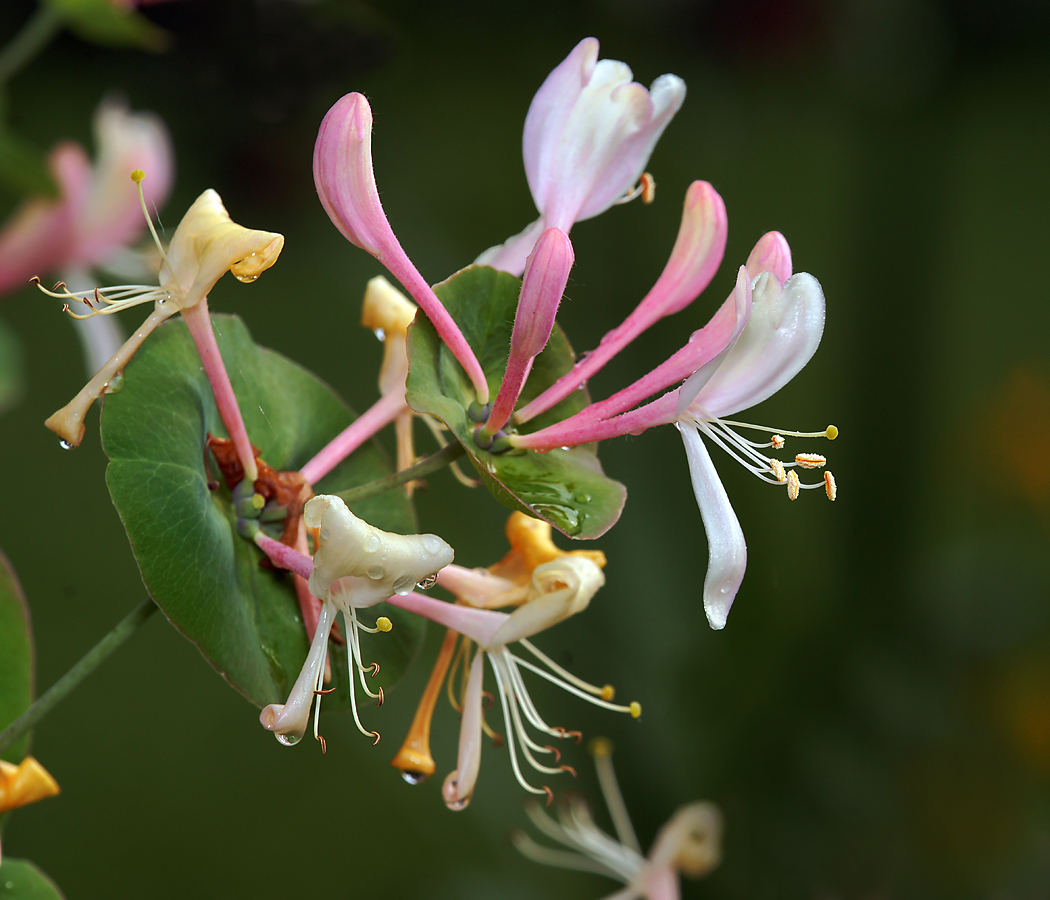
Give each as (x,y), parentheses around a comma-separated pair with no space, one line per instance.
(137,175)
(792,483)
(635,709)
(810,460)
(778,469)
(384,624)
(600,748)
(777,441)
(831,432)
(648,186)
(258,501)
(608,692)
(830,488)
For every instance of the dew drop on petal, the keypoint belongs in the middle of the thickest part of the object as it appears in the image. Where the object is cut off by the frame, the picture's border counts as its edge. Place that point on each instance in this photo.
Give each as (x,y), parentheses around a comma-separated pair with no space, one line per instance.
(289,740)
(375,573)
(372,543)
(427,583)
(414,777)
(65,445)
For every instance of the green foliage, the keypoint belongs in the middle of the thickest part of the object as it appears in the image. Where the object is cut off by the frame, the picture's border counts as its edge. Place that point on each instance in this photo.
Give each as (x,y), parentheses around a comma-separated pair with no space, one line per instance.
(23,169)
(100,22)
(204,576)
(16,657)
(564,487)
(12,378)
(22,880)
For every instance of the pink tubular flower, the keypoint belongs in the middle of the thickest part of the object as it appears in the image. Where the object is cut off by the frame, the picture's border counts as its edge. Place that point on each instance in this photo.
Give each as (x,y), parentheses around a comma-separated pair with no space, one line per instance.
(347,189)
(588,135)
(97,214)
(755,344)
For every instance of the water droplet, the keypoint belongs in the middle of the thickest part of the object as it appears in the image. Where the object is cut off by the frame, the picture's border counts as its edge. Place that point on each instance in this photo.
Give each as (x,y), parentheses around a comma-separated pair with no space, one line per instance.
(380,333)
(289,740)
(726,587)
(457,805)
(246,279)
(116,384)
(65,445)
(414,777)
(583,498)
(427,583)
(433,544)
(404,584)
(375,573)
(564,517)
(372,543)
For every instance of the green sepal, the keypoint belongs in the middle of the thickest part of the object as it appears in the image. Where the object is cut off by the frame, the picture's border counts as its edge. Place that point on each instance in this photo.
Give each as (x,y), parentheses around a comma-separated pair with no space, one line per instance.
(22,880)
(564,487)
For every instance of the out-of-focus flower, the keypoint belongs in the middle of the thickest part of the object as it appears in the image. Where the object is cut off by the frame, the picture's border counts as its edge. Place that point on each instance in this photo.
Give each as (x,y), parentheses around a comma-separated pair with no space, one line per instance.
(546,585)
(355,565)
(206,245)
(760,338)
(588,135)
(24,783)
(690,843)
(97,215)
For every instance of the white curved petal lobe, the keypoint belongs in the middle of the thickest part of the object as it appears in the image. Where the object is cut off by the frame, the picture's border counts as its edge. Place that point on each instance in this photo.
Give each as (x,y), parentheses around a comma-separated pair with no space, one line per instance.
(727,551)
(781,336)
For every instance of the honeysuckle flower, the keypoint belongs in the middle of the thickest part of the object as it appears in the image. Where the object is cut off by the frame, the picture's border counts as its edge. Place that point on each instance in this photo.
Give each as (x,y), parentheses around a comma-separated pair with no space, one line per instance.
(97,215)
(347,189)
(355,565)
(761,337)
(207,244)
(589,133)
(690,842)
(388,313)
(557,584)
(26,782)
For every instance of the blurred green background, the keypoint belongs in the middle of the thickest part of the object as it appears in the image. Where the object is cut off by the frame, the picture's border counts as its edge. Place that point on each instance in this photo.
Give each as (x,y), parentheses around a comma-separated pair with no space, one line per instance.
(875,719)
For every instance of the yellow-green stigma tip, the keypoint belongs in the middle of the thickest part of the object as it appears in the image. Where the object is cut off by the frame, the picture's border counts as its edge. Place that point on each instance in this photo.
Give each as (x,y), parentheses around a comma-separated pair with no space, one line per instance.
(608,692)
(258,501)
(137,175)
(384,624)
(635,709)
(831,432)
(601,748)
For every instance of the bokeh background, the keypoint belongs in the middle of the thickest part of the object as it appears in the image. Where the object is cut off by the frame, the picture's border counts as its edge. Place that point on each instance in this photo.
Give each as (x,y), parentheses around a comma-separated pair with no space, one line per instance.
(875,719)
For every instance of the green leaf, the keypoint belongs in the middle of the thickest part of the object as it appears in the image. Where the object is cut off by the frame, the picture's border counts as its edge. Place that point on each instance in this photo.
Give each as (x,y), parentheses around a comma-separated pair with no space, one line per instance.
(23,167)
(16,657)
(101,22)
(22,880)
(565,487)
(12,376)
(204,576)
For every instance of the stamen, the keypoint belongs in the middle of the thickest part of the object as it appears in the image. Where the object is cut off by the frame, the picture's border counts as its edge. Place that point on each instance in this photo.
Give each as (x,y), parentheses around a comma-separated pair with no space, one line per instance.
(778,469)
(810,460)
(137,175)
(777,442)
(606,692)
(646,189)
(601,750)
(831,432)
(553,679)
(830,488)
(792,485)
(510,743)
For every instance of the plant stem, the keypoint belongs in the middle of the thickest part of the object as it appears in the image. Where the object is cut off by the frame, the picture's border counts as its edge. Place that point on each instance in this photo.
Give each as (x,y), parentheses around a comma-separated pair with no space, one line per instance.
(447,454)
(34,36)
(88,663)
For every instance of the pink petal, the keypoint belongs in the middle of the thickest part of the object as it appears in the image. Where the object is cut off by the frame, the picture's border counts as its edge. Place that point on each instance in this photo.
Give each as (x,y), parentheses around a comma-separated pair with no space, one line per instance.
(727,550)
(771,254)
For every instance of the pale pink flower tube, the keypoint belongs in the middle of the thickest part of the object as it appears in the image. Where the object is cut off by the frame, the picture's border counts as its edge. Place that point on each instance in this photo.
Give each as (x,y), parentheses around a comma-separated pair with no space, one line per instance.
(347,189)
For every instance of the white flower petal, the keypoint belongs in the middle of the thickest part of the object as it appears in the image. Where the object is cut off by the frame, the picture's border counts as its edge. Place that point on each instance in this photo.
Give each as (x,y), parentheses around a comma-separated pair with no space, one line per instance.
(781,336)
(727,550)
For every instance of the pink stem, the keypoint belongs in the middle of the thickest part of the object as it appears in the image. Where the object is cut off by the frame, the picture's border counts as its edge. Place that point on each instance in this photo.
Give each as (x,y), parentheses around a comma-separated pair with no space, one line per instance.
(379,415)
(283,556)
(564,434)
(199,323)
(477,624)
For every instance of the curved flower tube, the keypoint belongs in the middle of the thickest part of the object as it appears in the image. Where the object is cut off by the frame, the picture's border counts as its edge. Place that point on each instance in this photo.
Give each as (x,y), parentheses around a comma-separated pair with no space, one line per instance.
(776,326)
(588,135)
(347,189)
